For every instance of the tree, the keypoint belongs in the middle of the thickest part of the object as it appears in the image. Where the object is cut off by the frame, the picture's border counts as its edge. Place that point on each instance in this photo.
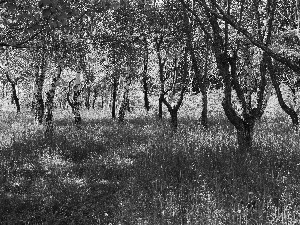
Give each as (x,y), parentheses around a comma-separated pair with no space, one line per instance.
(74,103)
(180,69)
(228,50)
(17,73)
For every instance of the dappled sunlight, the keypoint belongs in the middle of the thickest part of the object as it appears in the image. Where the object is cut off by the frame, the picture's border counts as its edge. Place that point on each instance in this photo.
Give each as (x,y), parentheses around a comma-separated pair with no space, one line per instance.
(148,173)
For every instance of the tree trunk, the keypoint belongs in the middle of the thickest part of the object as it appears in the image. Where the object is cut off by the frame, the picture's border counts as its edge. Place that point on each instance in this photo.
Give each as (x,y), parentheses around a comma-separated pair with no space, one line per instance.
(174,119)
(94,98)
(76,105)
(122,112)
(161,64)
(38,95)
(15,97)
(145,77)
(87,98)
(145,90)
(125,101)
(160,106)
(114,97)
(245,137)
(49,105)
(291,112)
(203,89)
(204,119)
(102,102)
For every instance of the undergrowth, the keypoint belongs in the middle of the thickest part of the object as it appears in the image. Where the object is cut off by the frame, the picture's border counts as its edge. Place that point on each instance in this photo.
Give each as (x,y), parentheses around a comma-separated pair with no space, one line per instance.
(140,172)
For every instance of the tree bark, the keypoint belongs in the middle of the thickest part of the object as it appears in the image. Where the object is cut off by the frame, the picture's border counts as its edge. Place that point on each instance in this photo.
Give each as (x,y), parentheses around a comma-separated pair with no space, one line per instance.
(114,97)
(173,110)
(50,103)
(160,106)
(75,104)
(145,76)
(15,97)
(204,119)
(145,90)
(291,112)
(125,101)
(87,98)
(94,98)
(38,94)
(245,136)
(161,64)
(199,83)
(174,119)
(13,83)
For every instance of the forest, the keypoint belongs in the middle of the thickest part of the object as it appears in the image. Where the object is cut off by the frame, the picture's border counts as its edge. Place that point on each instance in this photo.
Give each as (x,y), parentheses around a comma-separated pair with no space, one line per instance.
(149,112)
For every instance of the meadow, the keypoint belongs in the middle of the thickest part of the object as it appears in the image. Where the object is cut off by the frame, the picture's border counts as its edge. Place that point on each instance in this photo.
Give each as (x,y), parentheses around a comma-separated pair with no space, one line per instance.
(140,172)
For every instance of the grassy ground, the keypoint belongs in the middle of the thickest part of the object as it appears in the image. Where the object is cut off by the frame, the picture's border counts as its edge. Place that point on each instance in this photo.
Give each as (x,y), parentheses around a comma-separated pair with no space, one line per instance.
(141,173)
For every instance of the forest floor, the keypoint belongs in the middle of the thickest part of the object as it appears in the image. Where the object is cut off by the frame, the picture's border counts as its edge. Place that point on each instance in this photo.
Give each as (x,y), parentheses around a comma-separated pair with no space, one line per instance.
(140,172)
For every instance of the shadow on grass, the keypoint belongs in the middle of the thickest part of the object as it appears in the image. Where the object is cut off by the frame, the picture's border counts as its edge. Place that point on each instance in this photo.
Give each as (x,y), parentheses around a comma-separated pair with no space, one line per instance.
(59,181)
(139,173)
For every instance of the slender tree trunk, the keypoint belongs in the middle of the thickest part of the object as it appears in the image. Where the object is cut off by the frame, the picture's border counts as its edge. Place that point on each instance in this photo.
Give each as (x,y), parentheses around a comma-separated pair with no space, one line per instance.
(199,83)
(114,97)
(38,94)
(15,97)
(94,98)
(125,101)
(145,90)
(87,98)
(203,89)
(161,64)
(76,105)
(291,112)
(204,119)
(50,103)
(145,76)
(160,106)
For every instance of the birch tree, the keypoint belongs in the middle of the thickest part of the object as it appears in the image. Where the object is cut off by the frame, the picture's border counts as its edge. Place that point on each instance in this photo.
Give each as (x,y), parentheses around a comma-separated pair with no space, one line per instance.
(50,101)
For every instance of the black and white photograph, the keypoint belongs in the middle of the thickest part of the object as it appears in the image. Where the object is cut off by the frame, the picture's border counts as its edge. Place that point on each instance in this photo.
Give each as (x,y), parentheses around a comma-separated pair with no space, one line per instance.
(149,112)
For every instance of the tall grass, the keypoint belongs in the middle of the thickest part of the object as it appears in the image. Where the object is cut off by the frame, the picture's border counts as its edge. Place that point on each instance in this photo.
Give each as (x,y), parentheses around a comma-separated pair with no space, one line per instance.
(140,172)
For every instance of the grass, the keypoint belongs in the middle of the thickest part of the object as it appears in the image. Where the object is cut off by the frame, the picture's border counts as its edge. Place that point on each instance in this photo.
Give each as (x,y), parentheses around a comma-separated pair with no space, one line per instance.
(142,173)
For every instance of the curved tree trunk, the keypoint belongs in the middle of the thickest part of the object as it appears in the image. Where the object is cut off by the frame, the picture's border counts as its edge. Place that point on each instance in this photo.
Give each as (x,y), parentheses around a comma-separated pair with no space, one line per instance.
(291,112)
(15,99)
(199,83)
